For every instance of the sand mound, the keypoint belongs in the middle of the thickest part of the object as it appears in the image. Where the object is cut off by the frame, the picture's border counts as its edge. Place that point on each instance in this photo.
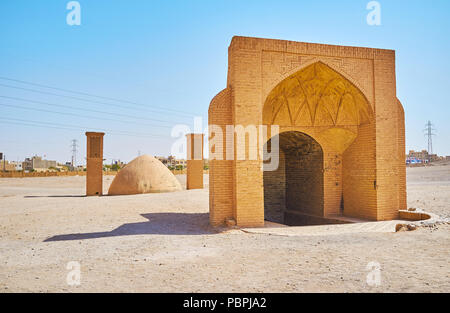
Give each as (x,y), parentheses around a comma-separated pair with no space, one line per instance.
(144,174)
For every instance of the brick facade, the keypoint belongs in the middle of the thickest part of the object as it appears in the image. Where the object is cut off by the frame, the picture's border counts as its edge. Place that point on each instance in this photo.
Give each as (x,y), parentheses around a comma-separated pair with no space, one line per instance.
(94,164)
(194,175)
(343,98)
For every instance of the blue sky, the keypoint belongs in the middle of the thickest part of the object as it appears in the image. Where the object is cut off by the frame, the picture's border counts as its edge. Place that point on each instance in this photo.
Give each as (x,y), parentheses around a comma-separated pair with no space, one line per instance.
(173,55)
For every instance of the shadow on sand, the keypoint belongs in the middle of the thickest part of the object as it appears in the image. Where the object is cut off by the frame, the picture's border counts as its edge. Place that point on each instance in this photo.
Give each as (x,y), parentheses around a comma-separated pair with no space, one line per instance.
(157,224)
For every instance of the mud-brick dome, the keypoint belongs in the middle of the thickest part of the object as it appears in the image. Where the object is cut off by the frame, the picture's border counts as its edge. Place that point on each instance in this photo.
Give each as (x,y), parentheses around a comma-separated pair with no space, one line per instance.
(145,174)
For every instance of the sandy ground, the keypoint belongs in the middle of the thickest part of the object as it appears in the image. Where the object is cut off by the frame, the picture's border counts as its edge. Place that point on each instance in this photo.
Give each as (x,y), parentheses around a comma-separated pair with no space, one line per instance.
(162,243)
(429,189)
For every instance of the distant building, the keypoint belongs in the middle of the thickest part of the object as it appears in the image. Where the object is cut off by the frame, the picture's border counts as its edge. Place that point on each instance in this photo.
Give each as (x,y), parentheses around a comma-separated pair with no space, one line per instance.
(81,168)
(115,165)
(180,162)
(119,163)
(37,164)
(162,159)
(68,166)
(7,166)
(10,166)
(17,165)
(417,157)
(171,161)
(420,155)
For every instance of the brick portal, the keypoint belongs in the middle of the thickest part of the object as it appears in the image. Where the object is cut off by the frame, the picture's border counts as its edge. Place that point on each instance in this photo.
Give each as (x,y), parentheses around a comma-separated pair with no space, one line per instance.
(94,166)
(341,134)
(194,176)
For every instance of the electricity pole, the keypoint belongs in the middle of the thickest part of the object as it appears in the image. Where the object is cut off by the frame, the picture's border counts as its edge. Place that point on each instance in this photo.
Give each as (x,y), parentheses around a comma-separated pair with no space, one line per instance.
(429,133)
(74,153)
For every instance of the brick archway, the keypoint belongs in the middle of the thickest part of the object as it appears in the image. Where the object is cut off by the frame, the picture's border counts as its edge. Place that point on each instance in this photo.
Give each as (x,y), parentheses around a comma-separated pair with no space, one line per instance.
(323,104)
(317,90)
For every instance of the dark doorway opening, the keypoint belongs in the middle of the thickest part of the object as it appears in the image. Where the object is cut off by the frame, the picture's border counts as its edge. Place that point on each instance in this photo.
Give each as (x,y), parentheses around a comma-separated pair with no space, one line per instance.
(294,192)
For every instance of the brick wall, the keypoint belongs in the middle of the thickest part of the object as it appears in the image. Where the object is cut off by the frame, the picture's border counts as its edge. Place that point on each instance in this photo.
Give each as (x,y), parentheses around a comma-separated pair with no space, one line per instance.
(401,157)
(94,164)
(359,175)
(387,137)
(194,173)
(332,181)
(275,192)
(221,170)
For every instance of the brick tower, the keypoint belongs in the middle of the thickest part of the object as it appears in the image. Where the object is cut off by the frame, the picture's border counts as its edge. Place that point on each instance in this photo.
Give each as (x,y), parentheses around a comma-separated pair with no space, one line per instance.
(194,161)
(94,170)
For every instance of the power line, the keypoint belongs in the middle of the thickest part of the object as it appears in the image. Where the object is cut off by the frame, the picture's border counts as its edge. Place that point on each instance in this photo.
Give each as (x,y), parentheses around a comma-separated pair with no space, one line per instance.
(75,98)
(88,110)
(80,115)
(73,127)
(26,143)
(86,100)
(91,95)
(111,132)
(86,94)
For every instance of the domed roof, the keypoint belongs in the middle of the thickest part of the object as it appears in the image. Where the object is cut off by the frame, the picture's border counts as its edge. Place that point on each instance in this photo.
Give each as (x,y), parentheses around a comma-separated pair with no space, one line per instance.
(145,174)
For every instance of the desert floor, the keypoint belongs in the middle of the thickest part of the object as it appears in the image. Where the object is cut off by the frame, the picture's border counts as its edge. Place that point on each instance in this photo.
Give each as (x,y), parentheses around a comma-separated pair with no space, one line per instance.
(162,243)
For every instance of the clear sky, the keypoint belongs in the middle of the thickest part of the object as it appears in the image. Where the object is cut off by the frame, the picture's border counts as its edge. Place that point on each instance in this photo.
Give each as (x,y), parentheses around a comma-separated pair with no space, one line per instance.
(169,58)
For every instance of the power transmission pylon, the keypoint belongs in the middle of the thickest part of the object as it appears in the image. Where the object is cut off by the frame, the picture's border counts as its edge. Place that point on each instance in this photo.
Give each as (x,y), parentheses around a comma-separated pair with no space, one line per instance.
(74,153)
(429,133)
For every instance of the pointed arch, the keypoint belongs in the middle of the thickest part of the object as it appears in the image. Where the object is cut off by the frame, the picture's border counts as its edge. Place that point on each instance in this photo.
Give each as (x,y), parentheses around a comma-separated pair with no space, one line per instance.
(316,95)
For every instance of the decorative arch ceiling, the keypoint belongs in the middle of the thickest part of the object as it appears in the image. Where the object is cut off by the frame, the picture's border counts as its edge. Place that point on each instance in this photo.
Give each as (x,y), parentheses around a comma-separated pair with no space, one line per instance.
(297,143)
(316,96)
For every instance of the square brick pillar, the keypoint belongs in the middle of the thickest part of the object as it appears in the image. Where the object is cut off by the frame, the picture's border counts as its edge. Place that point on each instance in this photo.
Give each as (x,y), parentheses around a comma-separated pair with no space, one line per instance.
(194,161)
(94,167)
